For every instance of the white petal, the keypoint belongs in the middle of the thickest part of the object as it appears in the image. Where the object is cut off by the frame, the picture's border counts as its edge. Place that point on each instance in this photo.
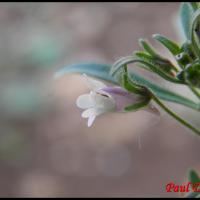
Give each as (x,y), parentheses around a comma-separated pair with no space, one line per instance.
(91,120)
(84,101)
(87,113)
(92,112)
(94,84)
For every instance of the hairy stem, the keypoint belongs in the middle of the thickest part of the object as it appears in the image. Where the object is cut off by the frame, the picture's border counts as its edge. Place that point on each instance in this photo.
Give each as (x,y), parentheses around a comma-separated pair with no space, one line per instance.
(194,91)
(175,116)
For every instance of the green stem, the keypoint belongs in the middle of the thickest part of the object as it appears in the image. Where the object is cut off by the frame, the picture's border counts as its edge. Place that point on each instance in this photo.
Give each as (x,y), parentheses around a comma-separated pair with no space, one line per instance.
(194,91)
(175,116)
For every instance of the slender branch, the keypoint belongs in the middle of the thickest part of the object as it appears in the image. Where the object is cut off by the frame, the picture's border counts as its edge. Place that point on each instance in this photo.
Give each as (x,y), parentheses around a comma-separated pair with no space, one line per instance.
(175,116)
(194,91)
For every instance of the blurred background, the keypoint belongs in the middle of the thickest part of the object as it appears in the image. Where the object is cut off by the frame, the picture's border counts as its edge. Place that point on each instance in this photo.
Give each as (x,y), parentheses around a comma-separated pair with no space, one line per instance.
(46,148)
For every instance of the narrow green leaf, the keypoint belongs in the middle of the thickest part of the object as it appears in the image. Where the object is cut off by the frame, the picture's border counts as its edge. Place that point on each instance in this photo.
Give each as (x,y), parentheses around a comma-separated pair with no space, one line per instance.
(101,71)
(98,70)
(159,62)
(152,67)
(143,55)
(186,13)
(121,62)
(195,32)
(143,43)
(170,45)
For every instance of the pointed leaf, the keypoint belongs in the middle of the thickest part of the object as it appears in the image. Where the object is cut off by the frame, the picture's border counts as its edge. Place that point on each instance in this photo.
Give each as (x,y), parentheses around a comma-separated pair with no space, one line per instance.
(186,13)
(98,70)
(147,47)
(121,62)
(195,32)
(146,65)
(159,62)
(170,45)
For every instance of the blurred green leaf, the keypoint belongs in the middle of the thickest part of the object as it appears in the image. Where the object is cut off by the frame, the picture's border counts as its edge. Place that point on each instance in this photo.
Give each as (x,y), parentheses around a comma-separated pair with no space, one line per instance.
(20,99)
(44,51)
(195,32)
(97,70)
(102,71)
(193,176)
(186,13)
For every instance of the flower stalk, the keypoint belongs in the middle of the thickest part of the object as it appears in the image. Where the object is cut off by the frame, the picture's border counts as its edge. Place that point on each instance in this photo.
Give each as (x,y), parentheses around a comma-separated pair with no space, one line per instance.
(175,116)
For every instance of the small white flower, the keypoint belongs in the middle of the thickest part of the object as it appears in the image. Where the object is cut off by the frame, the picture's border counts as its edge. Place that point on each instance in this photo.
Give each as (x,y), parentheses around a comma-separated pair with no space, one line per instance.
(102,99)
(96,102)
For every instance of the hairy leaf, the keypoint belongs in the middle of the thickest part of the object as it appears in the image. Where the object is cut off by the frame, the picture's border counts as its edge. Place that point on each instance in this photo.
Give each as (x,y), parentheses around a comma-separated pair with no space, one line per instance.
(186,13)
(170,45)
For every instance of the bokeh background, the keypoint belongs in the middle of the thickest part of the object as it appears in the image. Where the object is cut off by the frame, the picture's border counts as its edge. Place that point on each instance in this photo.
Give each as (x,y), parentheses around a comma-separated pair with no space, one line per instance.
(46,148)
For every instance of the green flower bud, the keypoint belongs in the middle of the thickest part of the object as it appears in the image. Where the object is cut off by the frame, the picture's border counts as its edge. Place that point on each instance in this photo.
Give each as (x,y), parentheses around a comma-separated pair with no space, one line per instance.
(188,48)
(183,59)
(192,75)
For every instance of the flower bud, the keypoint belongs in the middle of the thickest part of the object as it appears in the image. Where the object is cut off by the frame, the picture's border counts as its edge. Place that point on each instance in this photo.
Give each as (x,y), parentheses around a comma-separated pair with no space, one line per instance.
(192,75)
